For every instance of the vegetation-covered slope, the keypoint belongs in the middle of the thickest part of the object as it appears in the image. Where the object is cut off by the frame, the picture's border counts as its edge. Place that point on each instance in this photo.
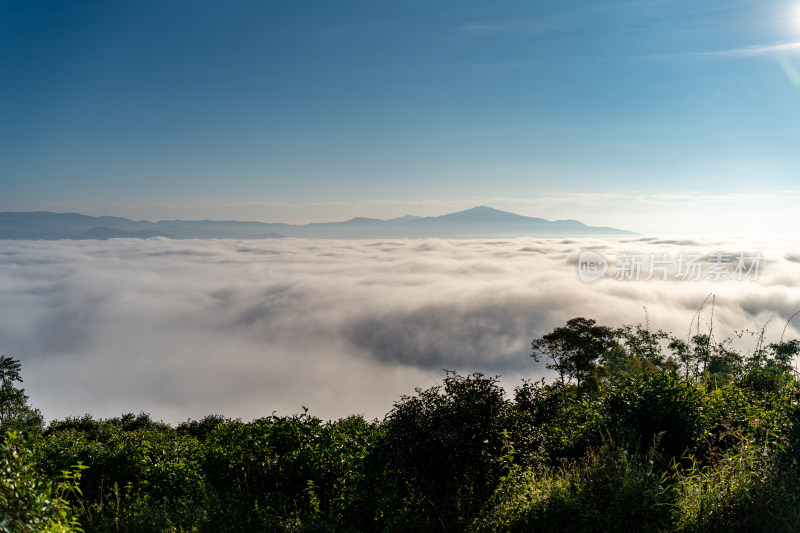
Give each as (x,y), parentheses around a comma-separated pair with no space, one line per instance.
(640,431)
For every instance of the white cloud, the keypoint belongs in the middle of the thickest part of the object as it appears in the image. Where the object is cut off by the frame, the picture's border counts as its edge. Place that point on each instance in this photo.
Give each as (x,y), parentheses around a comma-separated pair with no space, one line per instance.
(758,50)
(244,328)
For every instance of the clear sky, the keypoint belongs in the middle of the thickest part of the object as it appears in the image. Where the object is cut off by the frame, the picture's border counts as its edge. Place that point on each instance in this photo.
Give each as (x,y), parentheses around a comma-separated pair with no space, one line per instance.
(656,116)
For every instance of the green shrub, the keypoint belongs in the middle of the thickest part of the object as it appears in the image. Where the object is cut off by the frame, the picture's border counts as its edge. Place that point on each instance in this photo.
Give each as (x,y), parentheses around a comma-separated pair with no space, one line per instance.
(744,490)
(640,408)
(29,502)
(609,490)
(444,450)
(138,480)
(202,429)
(278,471)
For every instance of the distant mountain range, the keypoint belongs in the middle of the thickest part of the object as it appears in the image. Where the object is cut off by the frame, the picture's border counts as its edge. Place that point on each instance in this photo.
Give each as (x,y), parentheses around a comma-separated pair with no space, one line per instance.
(478,222)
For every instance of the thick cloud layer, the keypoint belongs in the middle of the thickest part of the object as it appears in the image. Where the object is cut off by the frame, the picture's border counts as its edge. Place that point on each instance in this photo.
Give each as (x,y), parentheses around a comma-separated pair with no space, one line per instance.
(244,328)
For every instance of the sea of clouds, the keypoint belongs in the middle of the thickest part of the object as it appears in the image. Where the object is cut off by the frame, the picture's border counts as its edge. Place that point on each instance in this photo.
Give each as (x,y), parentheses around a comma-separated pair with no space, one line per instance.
(185,328)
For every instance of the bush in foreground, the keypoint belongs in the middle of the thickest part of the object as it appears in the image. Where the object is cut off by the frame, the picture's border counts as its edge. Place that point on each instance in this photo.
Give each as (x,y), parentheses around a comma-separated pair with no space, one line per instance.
(27,502)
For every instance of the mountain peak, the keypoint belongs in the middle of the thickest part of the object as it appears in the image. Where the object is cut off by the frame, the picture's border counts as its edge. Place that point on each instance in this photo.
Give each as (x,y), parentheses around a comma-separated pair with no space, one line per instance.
(482,213)
(481,208)
(485,209)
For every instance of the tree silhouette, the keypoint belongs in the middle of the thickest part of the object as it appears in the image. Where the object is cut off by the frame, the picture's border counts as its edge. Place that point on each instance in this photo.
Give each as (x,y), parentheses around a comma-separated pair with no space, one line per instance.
(572,350)
(15,413)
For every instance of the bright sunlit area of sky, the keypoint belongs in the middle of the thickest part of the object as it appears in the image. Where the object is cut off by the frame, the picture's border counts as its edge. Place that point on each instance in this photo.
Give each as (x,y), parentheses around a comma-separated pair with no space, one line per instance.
(657,116)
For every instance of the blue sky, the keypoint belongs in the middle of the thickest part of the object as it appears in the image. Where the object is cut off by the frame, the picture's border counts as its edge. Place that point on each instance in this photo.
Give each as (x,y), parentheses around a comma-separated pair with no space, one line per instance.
(656,116)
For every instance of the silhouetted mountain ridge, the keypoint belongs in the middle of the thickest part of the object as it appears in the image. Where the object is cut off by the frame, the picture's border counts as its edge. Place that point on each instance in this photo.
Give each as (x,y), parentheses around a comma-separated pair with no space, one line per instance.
(478,222)
(104,232)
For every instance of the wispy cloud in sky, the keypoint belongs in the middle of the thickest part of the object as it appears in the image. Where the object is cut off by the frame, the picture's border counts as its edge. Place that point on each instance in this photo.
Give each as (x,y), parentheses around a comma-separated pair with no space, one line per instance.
(757,50)
(274,102)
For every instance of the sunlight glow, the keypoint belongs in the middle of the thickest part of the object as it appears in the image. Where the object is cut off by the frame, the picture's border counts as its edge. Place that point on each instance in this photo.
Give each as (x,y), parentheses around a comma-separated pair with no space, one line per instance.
(793,18)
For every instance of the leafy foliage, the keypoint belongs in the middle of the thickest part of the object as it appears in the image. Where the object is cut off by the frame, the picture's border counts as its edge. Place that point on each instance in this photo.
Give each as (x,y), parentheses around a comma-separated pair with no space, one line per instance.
(143,478)
(573,350)
(642,431)
(607,490)
(27,502)
(655,409)
(444,448)
(15,414)
(276,471)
